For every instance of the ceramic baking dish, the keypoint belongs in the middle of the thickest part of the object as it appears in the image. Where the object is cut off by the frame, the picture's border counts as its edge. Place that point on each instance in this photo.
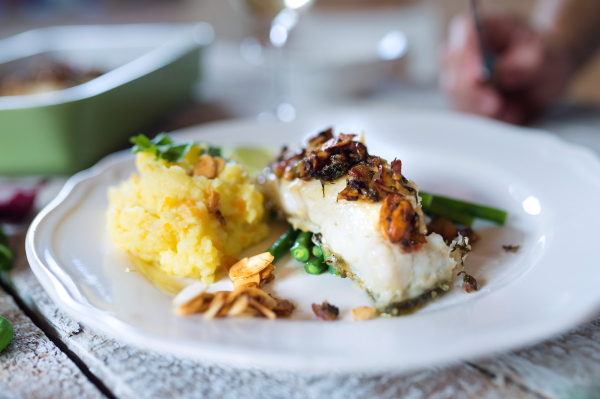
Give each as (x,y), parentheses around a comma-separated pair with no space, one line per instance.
(151,68)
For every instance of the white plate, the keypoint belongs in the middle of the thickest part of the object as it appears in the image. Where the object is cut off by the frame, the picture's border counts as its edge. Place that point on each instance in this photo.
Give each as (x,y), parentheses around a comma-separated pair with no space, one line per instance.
(550,189)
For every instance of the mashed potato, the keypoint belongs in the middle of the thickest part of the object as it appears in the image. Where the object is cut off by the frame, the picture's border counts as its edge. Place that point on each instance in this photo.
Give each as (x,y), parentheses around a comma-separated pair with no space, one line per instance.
(163,215)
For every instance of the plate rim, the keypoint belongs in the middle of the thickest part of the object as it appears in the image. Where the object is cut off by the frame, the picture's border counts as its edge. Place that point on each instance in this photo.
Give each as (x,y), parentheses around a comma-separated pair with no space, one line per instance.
(220,354)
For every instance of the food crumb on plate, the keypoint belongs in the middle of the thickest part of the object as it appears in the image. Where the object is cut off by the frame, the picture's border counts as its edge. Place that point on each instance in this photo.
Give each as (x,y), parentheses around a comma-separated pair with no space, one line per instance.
(363,313)
(326,311)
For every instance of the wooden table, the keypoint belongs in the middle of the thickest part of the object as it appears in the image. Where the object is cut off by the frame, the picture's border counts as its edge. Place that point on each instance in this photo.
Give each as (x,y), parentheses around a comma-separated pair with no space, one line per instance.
(53,355)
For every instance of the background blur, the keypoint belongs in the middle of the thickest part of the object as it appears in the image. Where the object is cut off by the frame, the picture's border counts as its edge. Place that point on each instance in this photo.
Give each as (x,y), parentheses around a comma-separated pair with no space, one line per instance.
(424,23)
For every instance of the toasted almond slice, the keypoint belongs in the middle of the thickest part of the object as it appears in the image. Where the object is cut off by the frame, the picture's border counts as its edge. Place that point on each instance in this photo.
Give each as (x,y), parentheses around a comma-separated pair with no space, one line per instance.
(240,304)
(268,279)
(251,285)
(216,305)
(362,313)
(224,311)
(241,264)
(248,280)
(232,296)
(266,272)
(190,292)
(214,201)
(206,166)
(261,297)
(227,261)
(220,162)
(264,310)
(250,312)
(196,305)
(254,265)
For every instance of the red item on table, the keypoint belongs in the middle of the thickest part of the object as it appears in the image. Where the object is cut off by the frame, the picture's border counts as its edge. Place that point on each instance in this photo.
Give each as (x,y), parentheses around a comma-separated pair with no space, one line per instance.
(19,205)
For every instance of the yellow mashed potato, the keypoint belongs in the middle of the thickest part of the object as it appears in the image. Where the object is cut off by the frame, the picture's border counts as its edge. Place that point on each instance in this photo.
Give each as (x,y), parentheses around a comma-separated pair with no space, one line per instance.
(161,215)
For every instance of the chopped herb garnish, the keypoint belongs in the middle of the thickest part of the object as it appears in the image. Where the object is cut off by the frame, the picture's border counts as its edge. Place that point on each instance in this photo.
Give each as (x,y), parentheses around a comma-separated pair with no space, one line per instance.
(470,284)
(164,148)
(214,151)
(511,248)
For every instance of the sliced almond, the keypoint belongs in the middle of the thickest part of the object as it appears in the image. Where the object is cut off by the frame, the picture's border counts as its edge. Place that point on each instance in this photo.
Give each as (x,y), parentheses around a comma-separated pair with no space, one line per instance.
(254,279)
(362,313)
(240,304)
(232,296)
(246,300)
(261,260)
(216,305)
(214,203)
(220,162)
(251,285)
(266,275)
(240,264)
(263,309)
(206,166)
(252,266)
(266,272)
(250,312)
(270,278)
(227,261)
(190,292)
(224,311)
(196,305)
(261,296)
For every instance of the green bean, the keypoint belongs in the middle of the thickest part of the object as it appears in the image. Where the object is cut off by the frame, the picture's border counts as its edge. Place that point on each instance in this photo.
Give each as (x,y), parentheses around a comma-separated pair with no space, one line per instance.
(317,251)
(6,333)
(315,266)
(301,248)
(283,244)
(425,199)
(332,270)
(456,206)
(478,211)
(451,214)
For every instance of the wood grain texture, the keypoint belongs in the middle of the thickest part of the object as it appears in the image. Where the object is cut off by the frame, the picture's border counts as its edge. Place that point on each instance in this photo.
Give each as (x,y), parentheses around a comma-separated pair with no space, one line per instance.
(31,366)
(131,372)
(565,367)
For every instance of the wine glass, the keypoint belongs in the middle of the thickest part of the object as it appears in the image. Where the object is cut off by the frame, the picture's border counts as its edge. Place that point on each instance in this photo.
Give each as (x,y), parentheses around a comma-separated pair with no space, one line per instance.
(272,21)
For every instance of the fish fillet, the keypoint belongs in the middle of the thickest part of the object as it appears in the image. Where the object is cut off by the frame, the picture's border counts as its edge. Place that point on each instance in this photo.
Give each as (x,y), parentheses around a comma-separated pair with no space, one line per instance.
(393,273)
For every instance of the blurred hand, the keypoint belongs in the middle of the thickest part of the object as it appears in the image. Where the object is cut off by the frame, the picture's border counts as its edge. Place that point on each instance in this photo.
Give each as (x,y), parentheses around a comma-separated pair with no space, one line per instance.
(528,74)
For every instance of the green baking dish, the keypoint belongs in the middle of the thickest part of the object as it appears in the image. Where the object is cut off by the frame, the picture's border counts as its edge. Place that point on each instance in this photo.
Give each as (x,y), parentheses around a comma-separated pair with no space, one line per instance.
(152,68)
